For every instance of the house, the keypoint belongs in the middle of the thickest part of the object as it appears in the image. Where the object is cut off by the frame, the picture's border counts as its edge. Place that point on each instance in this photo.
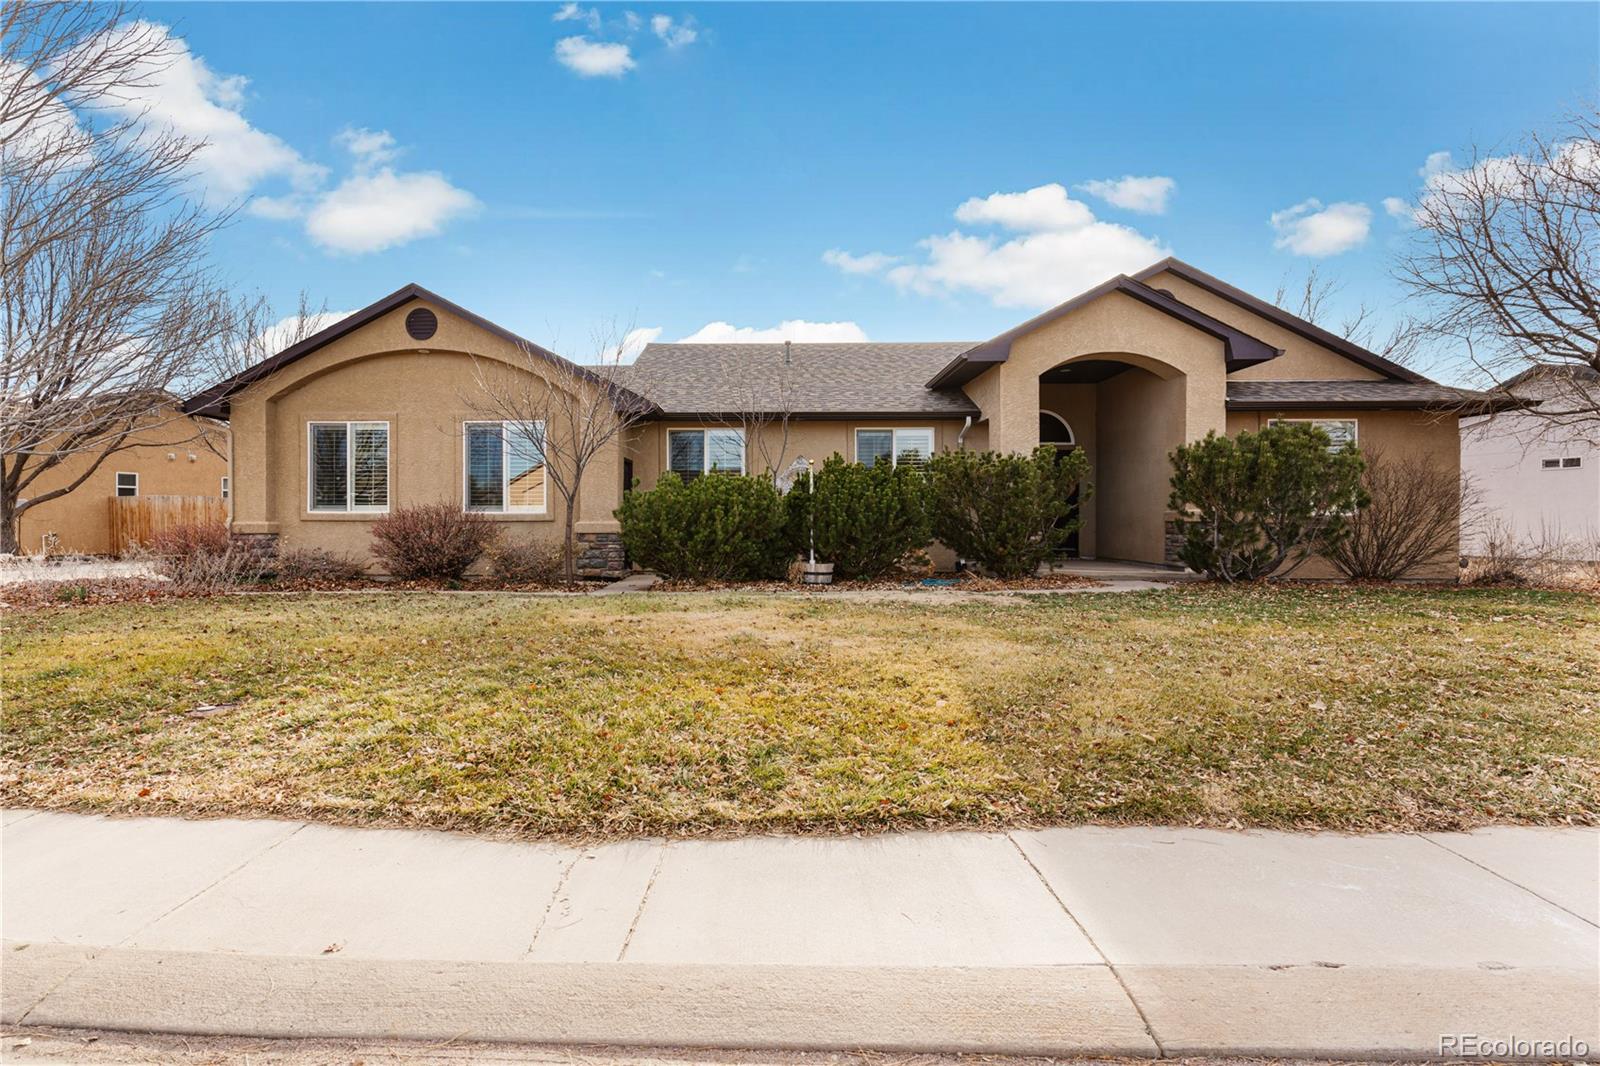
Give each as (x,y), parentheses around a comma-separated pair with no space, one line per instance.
(1537,482)
(171,454)
(378,410)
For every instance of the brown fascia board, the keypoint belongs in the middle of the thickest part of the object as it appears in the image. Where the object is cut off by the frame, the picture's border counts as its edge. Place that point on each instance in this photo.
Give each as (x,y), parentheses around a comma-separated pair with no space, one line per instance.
(1294,323)
(730,417)
(1240,349)
(1478,404)
(213,401)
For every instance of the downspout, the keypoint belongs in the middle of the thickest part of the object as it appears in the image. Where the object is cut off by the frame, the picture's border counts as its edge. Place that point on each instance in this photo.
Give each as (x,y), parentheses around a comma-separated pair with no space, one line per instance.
(962,435)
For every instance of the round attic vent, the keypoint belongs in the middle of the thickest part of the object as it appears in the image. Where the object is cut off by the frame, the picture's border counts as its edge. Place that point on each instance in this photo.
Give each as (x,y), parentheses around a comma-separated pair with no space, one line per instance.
(422,324)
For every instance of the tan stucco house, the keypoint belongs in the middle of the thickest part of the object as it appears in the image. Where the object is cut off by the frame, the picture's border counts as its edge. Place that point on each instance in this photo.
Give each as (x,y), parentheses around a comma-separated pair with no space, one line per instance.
(377,410)
(171,455)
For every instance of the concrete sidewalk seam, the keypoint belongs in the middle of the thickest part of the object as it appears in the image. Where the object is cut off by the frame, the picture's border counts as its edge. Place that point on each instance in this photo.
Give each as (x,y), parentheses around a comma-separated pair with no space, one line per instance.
(88,960)
(1161,1051)
(555,894)
(1507,880)
(252,857)
(644,897)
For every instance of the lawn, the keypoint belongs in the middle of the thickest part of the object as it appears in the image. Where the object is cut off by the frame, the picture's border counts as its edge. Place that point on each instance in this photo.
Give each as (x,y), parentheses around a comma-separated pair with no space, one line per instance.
(688,713)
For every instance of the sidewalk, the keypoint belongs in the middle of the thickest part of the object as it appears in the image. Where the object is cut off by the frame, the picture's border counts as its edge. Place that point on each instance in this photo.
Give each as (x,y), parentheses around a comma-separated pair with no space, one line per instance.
(1069,941)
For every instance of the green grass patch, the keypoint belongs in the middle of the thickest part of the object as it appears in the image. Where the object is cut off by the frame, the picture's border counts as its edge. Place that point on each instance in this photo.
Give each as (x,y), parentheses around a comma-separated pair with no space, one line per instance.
(1328,707)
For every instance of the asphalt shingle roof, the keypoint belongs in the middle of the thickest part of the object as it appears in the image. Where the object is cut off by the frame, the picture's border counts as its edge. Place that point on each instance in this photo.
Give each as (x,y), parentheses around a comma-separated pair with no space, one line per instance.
(822,379)
(1354,393)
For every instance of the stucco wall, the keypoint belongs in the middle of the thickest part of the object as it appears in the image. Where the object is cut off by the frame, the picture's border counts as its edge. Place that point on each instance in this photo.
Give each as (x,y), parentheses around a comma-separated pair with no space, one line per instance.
(425,391)
(1428,435)
(1302,359)
(1139,419)
(183,457)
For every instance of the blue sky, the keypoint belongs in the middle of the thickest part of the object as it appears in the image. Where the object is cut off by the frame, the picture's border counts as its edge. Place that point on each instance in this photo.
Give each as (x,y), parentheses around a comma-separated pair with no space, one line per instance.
(676,165)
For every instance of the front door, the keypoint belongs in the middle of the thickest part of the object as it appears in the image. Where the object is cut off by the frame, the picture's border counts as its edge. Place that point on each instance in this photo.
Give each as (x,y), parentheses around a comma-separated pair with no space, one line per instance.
(1068,550)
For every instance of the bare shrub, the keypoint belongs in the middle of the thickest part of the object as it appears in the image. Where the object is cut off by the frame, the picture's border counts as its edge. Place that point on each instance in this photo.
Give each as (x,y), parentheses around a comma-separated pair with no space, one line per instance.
(202,557)
(1548,558)
(431,540)
(316,566)
(527,563)
(1413,519)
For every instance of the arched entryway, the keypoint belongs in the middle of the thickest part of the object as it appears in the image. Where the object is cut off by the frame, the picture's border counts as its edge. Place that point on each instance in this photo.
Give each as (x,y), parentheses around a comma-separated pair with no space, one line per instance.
(1056,430)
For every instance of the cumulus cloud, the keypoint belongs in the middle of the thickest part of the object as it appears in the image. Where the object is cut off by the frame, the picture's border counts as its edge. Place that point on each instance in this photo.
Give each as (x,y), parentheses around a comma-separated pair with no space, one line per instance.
(1310,228)
(572,12)
(1058,248)
(594,59)
(871,263)
(674,33)
(632,344)
(368,212)
(371,148)
(1399,208)
(178,91)
(1145,195)
(282,333)
(795,329)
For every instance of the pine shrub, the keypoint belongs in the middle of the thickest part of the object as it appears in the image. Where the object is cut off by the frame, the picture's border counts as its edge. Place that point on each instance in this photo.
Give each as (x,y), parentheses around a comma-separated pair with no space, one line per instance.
(1007,513)
(718,527)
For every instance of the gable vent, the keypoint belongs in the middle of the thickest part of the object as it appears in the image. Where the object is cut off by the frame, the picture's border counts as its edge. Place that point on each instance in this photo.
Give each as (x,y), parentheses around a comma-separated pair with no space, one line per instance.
(422,324)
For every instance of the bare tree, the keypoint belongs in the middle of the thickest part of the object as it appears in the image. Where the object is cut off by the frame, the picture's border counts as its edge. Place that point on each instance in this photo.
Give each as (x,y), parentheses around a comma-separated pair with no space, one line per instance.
(1412,520)
(1504,261)
(585,410)
(106,298)
(1312,300)
(257,331)
(764,389)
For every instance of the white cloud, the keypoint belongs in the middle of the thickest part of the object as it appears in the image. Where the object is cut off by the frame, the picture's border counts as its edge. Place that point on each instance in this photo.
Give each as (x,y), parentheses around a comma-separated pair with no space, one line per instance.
(797,330)
(673,33)
(369,212)
(1309,228)
(371,148)
(278,336)
(631,21)
(52,133)
(1145,195)
(1399,208)
(178,91)
(1060,249)
(631,346)
(1047,207)
(594,59)
(571,12)
(871,263)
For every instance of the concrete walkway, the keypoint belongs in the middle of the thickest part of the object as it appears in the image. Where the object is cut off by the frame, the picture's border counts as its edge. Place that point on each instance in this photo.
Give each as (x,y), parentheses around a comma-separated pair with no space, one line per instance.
(1067,941)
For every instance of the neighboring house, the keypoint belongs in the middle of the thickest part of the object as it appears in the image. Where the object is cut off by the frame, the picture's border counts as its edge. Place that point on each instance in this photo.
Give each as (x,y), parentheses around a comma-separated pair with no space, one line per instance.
(172,454)
(1537,482)
(372,413)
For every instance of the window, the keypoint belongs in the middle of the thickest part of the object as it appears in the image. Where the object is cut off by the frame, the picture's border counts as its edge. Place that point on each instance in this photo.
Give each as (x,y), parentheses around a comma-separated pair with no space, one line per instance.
(1566,462)
(224,488)
(349,466)
(895,445)
(1341,431)
(692,452)
(505,467)
(127,484)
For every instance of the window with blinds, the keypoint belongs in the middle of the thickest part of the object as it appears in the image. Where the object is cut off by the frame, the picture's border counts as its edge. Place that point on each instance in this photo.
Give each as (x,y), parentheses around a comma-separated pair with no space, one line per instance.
(349,466)
(692,452)
(1341,431)
(506,467)
(914,446)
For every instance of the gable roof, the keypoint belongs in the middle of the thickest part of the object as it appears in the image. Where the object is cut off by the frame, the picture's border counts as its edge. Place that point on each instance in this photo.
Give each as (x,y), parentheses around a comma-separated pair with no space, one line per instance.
(1356,393)
(1240,349)
(1277,315)
(833,380)
(214,401)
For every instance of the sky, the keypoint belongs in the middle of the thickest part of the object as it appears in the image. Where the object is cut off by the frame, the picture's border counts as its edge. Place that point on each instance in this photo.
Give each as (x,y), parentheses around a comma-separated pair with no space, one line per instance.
(837,171)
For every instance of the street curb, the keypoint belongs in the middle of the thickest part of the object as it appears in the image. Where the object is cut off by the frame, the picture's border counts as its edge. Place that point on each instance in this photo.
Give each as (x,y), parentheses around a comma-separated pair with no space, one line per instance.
(1281,1011)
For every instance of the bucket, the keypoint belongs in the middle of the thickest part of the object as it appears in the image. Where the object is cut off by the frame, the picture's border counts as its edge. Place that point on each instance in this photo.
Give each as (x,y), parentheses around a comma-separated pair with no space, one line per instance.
(816,574)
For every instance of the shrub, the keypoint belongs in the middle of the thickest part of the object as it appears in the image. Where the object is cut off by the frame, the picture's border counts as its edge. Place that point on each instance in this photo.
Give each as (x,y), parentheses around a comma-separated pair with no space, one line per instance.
(1007,513)
(1251,503)
(864,519)
(432,540)
(527,563)
(202,557)
(717,527)
(1412,519)
(316,566)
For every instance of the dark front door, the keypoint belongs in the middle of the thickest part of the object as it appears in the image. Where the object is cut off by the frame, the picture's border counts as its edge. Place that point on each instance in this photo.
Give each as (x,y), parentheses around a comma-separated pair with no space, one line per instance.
(1068,550)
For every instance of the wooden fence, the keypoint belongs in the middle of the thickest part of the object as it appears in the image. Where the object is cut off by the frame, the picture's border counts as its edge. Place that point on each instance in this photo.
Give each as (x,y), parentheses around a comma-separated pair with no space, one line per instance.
(136,519)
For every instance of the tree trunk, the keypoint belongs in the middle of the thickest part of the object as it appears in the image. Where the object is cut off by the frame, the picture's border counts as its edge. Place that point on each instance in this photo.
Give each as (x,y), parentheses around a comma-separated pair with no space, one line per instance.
(9,534)
(569,546)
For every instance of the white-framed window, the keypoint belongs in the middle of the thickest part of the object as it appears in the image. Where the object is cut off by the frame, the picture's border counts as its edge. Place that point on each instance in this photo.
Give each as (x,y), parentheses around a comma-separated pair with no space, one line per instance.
(1565,462)
(692,452)
(225,486)
(127,483)
(505,470)
(895,446)
(347,466)
(1341,431)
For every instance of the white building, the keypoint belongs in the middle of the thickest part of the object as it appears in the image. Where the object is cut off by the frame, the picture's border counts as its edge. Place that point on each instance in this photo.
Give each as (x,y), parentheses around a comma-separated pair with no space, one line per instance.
(1538,484)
